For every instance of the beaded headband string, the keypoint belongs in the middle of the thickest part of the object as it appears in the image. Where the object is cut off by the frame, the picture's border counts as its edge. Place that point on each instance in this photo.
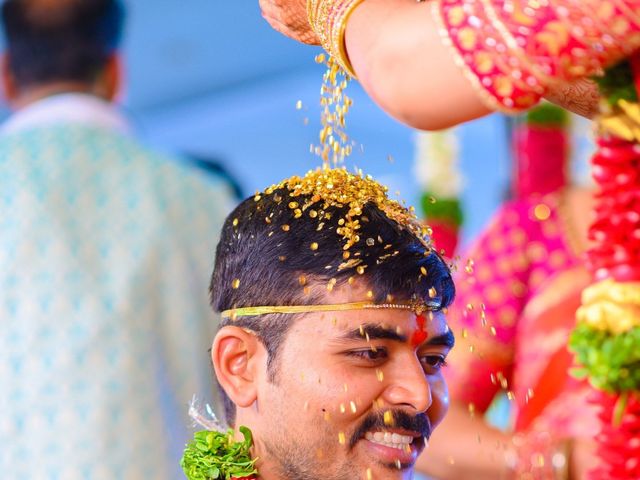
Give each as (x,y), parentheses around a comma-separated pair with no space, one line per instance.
(417,307)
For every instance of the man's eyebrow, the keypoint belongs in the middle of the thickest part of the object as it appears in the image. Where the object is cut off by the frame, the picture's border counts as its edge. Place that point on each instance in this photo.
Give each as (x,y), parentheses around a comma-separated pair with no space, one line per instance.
(446,340)
(374,331)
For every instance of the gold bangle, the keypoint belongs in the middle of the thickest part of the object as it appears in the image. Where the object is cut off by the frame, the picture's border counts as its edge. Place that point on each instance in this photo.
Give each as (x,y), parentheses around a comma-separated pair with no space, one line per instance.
(328,19)
(339,44)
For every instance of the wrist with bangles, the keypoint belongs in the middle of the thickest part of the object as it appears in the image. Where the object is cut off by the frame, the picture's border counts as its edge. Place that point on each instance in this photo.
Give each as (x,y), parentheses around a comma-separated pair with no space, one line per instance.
(538,456)
(328,19)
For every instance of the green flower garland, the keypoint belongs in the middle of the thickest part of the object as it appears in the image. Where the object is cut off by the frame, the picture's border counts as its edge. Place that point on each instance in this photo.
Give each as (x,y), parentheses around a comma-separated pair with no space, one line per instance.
(215,455)
(547,115)
(617,84)
(610,361)
(447,209)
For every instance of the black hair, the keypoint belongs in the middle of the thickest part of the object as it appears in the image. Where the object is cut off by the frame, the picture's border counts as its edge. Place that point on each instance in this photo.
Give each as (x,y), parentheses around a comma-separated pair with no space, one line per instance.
(60,40)
(266,247)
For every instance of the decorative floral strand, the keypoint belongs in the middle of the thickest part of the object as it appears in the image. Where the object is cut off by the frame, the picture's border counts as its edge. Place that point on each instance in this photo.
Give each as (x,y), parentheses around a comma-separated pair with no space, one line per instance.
(439,176)
(541,150)
(606,340)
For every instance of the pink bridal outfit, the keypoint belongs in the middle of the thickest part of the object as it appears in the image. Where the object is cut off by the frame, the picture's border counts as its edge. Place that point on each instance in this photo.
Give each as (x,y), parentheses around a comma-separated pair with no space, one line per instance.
(513,314)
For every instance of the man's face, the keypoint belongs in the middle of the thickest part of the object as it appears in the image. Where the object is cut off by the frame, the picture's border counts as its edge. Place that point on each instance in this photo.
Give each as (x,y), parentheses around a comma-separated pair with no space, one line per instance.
(357,393)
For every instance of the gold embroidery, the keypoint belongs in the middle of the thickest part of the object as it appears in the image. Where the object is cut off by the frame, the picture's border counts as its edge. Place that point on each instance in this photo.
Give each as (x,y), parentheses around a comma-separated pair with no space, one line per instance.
(518,289)
(518,236)
(537,277)
(494,294)
(504,266)
(550,229)
(557,259)
(541,212)
(605,11)
(507,316)
(468,38)
(456,16)
(504,86)
(484,62)
(555,36)
(483,273)
(521,262)
(536,251)
(496,244)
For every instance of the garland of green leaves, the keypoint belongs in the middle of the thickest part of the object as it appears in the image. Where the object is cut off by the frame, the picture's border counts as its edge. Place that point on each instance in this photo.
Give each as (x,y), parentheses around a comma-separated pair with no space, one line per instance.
(215,455)
(446,209)
(547,115)
(610,361)
(617,84)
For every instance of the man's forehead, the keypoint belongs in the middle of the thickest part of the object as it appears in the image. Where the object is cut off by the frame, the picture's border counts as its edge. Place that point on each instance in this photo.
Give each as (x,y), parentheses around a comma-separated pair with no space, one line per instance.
(385,323)
(391,317)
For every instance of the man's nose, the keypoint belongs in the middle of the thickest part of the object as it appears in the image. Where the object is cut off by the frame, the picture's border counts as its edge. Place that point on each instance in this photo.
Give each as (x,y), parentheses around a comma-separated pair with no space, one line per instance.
(409,386)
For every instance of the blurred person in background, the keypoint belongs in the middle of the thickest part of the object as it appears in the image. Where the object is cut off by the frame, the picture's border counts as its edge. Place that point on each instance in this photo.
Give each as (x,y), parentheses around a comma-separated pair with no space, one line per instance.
(105,254)
(518,289)
(214,166)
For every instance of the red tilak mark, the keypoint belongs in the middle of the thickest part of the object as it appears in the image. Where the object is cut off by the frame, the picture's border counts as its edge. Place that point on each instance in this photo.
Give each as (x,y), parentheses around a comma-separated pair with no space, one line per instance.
(419,334)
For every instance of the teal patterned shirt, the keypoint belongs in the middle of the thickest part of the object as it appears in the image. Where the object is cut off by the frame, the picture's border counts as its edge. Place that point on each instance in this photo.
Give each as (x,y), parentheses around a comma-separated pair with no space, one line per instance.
(105,255)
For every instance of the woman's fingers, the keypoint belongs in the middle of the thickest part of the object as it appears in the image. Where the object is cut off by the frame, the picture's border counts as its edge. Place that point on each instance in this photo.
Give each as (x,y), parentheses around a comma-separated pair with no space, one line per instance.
(289,17)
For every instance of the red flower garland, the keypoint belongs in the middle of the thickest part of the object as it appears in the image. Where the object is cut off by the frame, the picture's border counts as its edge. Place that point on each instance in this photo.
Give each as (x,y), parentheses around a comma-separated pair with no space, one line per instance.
(616,255)
(618,443)
(616,230)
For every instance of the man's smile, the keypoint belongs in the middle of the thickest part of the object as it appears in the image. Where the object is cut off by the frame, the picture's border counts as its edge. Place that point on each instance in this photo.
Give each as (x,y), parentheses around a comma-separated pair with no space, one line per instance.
(393,440)
(394,448)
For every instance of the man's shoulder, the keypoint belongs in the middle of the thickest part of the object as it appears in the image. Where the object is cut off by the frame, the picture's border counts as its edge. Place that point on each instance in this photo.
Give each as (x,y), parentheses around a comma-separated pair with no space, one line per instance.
(88,160)
(66,140)
(65,145)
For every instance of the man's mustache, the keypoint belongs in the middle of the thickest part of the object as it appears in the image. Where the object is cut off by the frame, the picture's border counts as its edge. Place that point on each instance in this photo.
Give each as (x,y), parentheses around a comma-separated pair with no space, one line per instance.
(400,419)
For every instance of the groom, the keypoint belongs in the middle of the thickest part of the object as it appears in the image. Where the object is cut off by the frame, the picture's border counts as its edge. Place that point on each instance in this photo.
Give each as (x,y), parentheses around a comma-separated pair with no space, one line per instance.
(333,336)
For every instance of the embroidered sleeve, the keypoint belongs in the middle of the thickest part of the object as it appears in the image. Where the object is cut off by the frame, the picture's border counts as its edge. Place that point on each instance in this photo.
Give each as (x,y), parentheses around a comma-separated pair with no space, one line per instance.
(514,50)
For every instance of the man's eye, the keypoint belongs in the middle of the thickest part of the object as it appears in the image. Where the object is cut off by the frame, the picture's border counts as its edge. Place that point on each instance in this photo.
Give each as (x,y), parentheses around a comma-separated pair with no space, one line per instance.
(370,354)
(433,363)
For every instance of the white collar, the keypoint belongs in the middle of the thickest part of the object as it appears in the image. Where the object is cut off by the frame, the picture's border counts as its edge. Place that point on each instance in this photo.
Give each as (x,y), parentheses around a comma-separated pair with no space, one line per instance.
(67,108)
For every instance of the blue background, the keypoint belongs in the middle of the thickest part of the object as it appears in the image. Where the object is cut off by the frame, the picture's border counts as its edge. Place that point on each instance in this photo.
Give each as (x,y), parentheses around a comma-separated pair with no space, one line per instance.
(211,78)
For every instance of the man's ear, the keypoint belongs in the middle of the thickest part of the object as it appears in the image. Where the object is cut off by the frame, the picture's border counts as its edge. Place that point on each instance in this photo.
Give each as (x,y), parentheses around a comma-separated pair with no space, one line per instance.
(9,86)
(111,80)
(237,357)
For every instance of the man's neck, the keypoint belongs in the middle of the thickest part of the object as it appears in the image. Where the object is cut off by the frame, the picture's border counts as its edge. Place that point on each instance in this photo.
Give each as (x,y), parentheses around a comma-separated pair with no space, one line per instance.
(65,107)
(35,94)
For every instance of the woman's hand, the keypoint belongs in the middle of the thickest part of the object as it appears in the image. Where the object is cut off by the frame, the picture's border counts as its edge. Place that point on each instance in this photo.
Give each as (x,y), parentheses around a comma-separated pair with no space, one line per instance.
(581,97)
(289,17)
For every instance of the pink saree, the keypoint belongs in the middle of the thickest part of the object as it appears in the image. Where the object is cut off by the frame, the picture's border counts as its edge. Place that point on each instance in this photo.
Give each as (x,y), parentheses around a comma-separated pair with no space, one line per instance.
(513,315)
